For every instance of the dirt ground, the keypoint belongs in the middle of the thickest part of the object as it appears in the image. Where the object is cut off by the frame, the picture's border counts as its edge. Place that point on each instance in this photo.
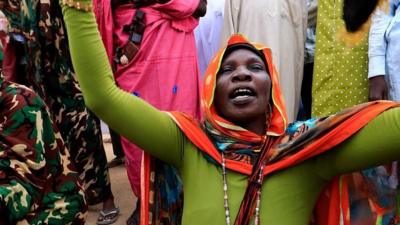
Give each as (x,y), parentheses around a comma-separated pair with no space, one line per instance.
(124,197)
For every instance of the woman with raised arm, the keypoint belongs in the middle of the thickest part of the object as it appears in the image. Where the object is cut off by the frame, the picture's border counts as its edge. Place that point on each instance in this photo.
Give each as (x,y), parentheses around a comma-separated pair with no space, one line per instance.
(242,164)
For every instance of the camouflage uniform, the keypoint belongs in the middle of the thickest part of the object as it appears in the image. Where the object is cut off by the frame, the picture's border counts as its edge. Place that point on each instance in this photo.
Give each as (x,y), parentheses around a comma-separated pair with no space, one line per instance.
(38,183)
(49,72)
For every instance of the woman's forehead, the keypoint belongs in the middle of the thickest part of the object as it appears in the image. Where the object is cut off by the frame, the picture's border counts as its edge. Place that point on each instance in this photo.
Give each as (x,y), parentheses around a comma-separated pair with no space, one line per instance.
(242,54)
(243,50)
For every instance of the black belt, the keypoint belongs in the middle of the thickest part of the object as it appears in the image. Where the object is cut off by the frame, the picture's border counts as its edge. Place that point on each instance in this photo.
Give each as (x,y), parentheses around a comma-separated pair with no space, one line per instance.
(135,30)
(124,54)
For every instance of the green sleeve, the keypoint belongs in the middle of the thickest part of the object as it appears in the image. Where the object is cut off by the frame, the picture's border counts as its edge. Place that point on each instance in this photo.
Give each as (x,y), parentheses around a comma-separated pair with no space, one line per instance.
(152,130)
(375,144)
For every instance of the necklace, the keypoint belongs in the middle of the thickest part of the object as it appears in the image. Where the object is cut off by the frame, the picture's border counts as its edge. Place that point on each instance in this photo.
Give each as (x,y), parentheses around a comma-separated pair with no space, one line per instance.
(226,200)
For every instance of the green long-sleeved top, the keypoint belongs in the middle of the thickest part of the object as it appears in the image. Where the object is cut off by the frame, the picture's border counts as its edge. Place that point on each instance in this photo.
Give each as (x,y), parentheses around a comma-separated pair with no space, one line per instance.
(288,196)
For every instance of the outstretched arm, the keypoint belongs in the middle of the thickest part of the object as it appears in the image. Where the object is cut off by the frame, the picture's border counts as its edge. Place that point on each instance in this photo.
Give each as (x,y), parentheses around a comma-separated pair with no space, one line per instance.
(375,144)
(149,128)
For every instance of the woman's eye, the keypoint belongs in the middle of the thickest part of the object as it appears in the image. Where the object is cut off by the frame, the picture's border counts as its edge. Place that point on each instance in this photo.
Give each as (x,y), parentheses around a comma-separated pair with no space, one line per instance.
(256,67)
(226,69)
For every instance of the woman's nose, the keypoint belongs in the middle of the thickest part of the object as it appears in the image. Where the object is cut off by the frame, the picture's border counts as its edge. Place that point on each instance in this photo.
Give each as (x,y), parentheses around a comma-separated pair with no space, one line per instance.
(241,74)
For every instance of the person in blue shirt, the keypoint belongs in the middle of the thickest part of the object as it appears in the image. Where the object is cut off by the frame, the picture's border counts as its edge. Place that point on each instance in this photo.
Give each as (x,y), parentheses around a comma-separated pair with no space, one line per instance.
(384,52)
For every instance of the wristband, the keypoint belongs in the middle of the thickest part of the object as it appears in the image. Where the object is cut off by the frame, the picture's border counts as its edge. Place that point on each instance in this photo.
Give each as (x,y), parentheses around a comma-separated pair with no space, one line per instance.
(86,6)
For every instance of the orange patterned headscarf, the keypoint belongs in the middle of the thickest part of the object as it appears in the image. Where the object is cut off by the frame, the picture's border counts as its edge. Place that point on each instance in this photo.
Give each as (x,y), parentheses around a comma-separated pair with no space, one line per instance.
(278,120)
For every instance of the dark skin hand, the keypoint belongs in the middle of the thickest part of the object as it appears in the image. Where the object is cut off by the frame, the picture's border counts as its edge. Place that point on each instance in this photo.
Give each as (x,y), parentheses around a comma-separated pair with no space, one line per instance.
(201,9)
(378,89)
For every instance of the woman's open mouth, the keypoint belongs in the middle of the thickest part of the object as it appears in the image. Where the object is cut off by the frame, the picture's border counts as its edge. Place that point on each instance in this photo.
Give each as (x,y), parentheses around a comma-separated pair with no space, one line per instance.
(242,95)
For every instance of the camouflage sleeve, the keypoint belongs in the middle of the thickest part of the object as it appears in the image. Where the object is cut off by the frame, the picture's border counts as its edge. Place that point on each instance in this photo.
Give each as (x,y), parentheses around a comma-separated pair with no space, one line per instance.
(38,184)
(38,30)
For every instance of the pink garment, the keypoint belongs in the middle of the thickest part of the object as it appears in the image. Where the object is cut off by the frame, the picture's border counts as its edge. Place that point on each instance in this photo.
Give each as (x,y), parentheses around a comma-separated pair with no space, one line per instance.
(164,72)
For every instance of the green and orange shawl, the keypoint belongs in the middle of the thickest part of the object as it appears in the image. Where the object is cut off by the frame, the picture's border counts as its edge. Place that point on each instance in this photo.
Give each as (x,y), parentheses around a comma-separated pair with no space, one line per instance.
(288,145)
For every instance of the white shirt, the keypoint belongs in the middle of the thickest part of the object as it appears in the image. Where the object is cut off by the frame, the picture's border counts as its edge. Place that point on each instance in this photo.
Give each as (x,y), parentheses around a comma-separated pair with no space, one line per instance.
(208,33)
(384,47)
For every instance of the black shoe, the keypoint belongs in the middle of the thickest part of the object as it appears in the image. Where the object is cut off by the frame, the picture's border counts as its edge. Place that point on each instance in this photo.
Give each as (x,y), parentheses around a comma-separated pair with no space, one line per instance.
(116,162)
(134,218)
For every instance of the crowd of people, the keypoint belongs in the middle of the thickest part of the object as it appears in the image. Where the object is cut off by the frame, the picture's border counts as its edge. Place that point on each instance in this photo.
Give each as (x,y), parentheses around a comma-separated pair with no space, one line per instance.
(222,111)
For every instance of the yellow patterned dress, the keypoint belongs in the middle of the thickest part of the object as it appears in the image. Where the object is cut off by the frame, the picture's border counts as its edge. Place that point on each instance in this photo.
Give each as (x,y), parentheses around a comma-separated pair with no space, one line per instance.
(340,73)
(341,81)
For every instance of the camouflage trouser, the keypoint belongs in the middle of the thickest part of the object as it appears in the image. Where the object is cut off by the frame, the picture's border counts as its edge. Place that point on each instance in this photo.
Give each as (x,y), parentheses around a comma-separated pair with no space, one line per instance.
(39,27)
(38,182)
(81,132)
(16,201)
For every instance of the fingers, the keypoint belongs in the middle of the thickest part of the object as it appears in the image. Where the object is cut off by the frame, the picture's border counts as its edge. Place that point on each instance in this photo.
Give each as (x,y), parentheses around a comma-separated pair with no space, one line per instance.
(375,97)
(386,95)
(378,89)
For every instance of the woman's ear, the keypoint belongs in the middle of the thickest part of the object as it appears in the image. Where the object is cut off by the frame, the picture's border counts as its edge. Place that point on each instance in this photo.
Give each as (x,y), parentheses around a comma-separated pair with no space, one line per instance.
(357,12)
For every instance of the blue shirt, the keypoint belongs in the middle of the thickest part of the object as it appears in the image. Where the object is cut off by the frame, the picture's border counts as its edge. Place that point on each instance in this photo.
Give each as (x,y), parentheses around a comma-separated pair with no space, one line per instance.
(384,47)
